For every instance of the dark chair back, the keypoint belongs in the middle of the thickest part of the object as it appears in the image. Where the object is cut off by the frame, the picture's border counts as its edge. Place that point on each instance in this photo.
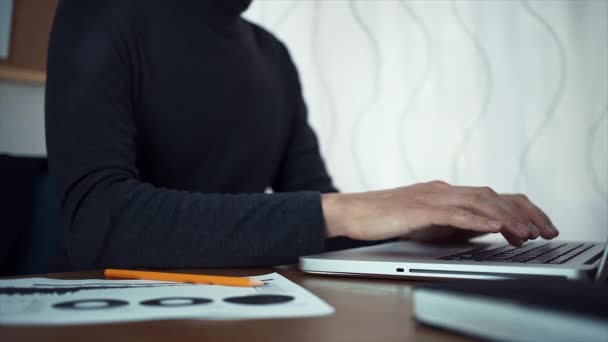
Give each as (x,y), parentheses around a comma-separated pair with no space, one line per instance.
(29,216)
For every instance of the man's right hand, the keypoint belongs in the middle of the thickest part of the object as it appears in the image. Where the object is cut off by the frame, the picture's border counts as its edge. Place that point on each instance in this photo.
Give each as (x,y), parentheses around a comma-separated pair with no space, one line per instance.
(410,210)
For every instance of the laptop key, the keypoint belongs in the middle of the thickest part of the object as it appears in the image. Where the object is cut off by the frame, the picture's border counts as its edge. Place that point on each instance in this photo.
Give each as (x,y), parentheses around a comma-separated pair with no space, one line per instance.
(571,254)
(534,253)
(473,253)
(559,260)
(544,255)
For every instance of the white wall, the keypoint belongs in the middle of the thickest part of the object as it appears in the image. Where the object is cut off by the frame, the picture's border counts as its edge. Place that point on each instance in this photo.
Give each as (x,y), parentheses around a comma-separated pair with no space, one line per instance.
(503,93)
(511,94)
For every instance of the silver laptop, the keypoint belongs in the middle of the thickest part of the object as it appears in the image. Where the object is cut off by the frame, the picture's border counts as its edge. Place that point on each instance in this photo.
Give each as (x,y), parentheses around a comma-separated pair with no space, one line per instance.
(567,259)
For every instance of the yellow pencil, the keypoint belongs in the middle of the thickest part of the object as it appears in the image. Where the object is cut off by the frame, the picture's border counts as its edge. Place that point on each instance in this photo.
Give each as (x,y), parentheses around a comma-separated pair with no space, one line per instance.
(182,277)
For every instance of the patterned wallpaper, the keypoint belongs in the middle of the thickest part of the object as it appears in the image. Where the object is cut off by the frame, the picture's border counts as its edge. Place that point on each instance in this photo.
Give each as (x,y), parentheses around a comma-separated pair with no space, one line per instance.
(511,94)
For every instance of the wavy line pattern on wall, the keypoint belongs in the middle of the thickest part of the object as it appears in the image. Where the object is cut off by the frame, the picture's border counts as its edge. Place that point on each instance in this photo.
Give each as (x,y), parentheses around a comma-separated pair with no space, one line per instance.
(284,15)
(555,99)
(487,93)
(593,132)
(326,90)
(374,93)
(526,44)
(407,163)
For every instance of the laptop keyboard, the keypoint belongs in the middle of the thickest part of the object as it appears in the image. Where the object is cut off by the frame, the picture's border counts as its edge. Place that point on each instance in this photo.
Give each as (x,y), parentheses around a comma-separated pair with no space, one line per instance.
(531,253)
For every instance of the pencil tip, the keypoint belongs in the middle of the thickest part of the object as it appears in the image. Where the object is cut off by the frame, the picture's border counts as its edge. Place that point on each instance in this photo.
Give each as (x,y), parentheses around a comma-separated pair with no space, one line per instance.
(255,282)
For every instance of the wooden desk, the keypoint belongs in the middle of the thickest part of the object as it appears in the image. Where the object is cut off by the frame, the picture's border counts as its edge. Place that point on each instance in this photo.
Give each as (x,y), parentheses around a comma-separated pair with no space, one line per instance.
(366,310)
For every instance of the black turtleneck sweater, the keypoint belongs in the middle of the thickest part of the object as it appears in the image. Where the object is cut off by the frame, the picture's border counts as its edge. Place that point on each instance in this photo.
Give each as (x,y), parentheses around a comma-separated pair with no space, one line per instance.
(166,122)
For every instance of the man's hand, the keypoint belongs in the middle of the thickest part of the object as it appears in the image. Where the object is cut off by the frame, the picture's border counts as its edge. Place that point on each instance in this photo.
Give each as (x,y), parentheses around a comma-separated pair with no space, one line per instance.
(423,208)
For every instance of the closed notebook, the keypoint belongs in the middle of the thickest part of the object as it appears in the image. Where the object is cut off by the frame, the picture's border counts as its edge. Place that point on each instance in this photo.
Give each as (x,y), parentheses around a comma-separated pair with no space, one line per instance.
(535,309)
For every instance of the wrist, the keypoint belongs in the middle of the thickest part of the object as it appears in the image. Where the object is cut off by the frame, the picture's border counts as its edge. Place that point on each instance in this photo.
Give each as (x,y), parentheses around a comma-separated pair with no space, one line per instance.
(334,214)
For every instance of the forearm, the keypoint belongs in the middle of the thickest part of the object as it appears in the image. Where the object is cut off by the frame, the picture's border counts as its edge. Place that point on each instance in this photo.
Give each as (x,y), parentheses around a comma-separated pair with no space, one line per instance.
(361,216)
(339,211)
(128,223)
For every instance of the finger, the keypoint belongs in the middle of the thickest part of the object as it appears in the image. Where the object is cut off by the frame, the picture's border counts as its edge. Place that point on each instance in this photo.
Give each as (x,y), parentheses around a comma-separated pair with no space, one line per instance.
(521,214)
(521,222)
(534,231)
(548,230)
(459,218)
(538,217)
(484,203)
(512,239)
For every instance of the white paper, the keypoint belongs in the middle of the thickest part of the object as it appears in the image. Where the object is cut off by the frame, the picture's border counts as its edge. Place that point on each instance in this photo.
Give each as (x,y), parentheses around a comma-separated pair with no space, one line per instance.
(6,11)
(51,301)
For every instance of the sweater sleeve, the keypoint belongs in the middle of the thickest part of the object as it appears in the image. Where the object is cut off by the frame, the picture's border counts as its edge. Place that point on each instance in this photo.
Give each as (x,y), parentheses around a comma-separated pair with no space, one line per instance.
(113,219)
(302,167)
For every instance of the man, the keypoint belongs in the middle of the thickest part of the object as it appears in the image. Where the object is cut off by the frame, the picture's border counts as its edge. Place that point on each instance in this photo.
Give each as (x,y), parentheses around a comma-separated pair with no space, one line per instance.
(166,122)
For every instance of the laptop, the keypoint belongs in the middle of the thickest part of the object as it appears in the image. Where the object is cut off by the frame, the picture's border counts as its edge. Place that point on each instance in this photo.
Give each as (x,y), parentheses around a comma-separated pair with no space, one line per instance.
(473,260)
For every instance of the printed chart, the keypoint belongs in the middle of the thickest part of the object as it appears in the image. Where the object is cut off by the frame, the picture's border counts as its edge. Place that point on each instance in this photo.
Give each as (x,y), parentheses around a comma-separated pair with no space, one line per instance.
(60,302)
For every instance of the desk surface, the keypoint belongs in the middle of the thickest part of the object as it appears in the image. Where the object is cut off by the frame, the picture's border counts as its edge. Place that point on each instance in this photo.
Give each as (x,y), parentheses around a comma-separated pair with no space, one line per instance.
(366,310)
